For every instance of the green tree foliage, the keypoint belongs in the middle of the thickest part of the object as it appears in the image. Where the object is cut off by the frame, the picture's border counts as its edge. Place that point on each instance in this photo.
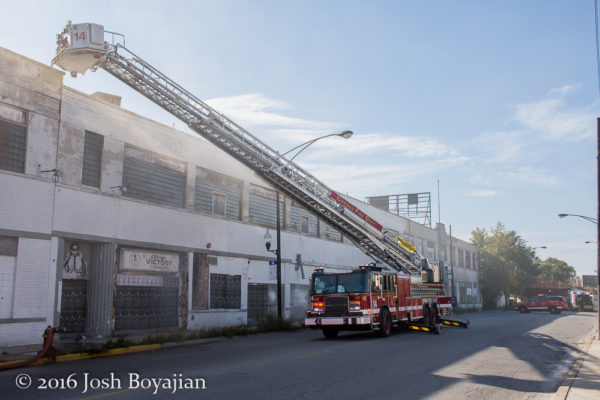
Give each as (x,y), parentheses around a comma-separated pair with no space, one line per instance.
(556,270)
(506,262)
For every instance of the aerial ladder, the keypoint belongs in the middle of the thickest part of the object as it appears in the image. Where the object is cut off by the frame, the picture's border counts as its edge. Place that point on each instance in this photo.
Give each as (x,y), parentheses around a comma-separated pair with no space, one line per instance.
(83,47)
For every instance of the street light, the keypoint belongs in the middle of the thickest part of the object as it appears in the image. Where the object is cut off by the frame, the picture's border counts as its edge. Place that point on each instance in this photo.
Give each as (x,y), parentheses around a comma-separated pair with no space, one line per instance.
(539,247)
(268,238)
(344,134)
(592,220)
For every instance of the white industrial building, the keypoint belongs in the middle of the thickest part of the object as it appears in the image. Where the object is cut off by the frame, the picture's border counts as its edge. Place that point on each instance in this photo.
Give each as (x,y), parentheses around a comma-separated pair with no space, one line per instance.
(111,222)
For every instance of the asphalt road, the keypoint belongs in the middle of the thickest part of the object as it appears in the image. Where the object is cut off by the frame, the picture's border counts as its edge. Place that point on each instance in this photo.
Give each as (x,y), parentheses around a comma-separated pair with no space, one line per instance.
(503,355)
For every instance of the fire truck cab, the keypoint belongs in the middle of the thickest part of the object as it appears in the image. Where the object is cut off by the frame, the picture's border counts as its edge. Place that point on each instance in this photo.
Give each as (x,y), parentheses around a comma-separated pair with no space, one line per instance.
(369,298)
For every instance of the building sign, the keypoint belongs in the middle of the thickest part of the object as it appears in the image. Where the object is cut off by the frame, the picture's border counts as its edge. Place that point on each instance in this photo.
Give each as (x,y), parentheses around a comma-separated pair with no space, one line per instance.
(355,210)
(147,260)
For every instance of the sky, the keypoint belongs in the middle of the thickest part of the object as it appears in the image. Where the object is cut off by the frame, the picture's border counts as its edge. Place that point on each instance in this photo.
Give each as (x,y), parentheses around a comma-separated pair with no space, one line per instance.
(496,100)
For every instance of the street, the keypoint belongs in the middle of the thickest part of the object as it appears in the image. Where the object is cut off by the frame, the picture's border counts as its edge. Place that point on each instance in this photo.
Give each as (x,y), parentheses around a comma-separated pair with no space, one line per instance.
(503,355)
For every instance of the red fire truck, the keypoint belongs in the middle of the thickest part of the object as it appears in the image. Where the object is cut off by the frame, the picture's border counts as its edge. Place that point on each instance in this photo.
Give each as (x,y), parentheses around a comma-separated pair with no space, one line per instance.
(370,298)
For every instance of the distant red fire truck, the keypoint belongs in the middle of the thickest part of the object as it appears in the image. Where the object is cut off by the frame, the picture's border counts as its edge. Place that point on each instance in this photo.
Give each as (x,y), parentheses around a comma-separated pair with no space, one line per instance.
(369,298)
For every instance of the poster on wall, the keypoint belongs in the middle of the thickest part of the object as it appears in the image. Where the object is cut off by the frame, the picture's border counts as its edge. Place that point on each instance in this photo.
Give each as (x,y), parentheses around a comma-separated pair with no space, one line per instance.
(147,260)
(75,265)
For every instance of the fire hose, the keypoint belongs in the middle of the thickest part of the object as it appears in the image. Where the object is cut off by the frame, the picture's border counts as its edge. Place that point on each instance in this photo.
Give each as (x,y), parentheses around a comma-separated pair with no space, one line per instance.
(47,345)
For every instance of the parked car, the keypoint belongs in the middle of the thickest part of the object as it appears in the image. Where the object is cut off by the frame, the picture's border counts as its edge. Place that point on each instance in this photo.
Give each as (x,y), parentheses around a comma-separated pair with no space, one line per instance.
(553,304)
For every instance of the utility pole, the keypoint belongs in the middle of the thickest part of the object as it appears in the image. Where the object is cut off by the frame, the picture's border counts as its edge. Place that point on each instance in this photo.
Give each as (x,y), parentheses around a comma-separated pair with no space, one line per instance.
(279,299)
(598,216)
(452,265)
(439,206)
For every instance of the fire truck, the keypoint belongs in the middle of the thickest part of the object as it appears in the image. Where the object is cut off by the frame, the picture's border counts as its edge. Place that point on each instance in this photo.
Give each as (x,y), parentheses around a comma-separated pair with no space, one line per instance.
(370,298)
(406,291)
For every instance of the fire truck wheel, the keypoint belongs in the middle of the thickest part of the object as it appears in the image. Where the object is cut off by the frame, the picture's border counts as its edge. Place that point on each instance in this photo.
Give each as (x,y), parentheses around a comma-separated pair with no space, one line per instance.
(426,314)
(435,315)
(522,309)
(330,333)
(552,310)
(385,323)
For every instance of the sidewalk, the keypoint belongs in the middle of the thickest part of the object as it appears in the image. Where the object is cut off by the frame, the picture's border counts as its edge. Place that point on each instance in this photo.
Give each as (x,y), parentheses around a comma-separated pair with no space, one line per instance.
(586,384)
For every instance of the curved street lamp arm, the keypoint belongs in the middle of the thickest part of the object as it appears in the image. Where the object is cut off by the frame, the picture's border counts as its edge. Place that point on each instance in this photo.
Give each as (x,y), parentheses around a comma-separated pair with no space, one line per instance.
(344,134)
(590,219)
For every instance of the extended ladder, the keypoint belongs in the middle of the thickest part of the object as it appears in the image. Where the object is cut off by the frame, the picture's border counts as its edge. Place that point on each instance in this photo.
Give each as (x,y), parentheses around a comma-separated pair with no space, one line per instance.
(82,47)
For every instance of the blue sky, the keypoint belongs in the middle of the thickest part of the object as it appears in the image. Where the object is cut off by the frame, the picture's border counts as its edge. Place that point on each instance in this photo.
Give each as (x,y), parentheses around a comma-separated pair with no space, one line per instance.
(496,99)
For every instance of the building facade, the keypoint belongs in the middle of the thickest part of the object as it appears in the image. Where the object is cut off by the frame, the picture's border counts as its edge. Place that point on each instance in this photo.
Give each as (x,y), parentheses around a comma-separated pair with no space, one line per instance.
(112,223)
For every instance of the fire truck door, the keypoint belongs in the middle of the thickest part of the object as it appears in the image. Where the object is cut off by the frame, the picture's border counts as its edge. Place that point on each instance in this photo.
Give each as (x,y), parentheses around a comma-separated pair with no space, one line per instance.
(402,285)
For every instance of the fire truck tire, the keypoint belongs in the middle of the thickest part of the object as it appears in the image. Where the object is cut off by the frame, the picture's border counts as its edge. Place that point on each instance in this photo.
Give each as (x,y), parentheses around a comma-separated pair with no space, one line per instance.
(385,323)
(426,314)
(522,309)
(553,310)
(330,333)
(435,314)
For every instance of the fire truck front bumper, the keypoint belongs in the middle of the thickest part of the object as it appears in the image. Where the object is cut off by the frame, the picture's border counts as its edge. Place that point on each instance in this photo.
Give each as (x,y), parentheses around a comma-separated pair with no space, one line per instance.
(316,322)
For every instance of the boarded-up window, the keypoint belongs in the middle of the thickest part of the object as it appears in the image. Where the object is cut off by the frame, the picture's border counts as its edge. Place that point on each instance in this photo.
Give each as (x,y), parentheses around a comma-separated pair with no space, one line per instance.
(225,291)
(303,221)
(92,158)
(332,234)
(218,199)
(263,211)
(12,146)
(147,181)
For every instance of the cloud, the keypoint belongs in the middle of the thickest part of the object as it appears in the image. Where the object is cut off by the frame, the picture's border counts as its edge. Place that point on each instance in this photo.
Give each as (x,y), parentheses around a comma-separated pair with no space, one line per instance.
(539,129)
(503,147)
(564,89)
(376,146)
(529,175)
(257,112)
(483,193)
(549,119)
(370,178)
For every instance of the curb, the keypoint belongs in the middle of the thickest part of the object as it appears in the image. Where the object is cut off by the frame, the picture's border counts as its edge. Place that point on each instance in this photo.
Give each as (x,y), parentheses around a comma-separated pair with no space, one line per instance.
(112,352)
(565,387)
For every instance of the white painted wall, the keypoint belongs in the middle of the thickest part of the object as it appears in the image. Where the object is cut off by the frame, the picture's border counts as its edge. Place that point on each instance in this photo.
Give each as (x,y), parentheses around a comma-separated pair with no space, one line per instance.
(26,203)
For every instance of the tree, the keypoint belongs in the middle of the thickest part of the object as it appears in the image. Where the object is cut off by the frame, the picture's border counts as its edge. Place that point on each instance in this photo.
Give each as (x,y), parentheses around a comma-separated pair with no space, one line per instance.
(506,262)
(556,270)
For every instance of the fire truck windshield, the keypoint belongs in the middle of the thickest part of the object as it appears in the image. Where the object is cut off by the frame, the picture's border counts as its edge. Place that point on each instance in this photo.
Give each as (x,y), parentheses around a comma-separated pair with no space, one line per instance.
(355,282)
